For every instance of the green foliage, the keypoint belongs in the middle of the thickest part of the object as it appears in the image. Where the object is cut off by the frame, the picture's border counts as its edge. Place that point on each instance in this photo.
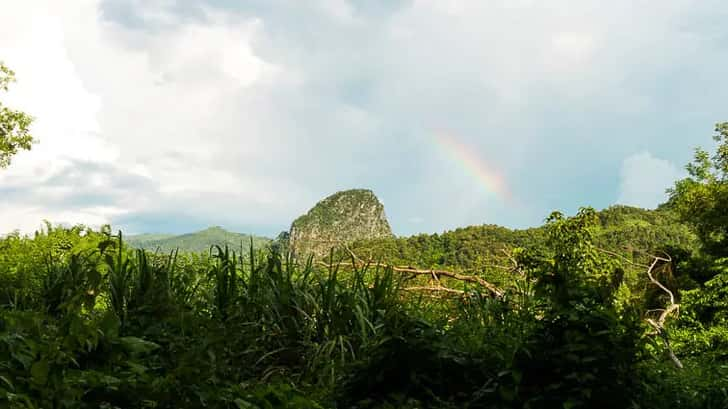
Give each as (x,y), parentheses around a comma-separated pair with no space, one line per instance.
(27,263)
(585,351)
(700,385)
(275,396)
(480,249)
(633,229)
(702,198)
(14,125)
(703,329)
(102,325)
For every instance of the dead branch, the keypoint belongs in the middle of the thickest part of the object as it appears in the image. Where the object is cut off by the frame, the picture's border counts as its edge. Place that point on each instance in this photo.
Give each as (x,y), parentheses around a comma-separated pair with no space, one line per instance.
(623,258)
(459,277)
(516,267)
(659,324)
(412,272)
(434,289)
(353,255)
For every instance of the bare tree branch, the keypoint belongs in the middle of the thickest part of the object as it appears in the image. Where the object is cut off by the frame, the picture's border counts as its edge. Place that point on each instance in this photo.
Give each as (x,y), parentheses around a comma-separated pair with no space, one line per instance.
(659,324)
(415,272)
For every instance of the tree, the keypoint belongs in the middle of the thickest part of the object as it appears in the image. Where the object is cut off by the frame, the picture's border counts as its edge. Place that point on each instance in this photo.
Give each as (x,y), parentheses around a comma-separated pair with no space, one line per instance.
(701,199)
(14,125)
(584,349)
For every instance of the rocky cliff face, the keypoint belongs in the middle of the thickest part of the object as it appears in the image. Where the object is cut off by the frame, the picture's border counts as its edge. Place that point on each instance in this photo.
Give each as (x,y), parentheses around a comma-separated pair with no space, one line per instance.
(340,218)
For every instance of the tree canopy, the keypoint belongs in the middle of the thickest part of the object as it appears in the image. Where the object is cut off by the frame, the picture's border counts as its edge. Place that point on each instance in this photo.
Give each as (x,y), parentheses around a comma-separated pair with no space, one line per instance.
(701,199)
(14,125)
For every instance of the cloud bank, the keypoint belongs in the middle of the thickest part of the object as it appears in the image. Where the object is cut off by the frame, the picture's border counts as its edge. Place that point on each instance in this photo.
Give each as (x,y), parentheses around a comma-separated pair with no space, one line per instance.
(645,179)
(164,116)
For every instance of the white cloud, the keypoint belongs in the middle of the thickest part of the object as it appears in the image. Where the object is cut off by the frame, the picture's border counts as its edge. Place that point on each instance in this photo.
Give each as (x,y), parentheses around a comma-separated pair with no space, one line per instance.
(28,218)
(250,115)
(644,180)
(50,88)
(147,102)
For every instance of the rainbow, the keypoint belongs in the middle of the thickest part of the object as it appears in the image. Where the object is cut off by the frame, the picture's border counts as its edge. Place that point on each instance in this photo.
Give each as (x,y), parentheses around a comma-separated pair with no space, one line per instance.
(468,160)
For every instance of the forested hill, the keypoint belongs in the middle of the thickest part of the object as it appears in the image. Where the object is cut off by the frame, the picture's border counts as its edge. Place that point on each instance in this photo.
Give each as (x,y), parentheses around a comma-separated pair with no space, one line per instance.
(196,242)
(621,228)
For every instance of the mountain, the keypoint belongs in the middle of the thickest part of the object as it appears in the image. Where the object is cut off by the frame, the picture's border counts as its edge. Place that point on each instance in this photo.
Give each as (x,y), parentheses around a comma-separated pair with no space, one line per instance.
(197,242)
(343,217)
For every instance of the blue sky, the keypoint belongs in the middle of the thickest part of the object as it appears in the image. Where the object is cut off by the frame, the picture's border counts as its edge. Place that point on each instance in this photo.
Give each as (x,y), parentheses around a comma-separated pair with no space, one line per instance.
(163,116)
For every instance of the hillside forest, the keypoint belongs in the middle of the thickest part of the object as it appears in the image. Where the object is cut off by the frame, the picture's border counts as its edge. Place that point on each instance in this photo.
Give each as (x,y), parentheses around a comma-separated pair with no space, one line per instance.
(618,308)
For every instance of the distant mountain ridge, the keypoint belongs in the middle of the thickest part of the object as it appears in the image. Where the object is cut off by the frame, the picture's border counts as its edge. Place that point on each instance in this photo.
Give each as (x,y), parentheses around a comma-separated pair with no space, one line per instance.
(196,242)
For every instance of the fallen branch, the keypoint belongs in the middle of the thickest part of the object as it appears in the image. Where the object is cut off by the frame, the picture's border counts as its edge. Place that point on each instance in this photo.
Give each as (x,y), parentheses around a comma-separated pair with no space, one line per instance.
(459,277)
(659,324)
(434,289)
(414,272)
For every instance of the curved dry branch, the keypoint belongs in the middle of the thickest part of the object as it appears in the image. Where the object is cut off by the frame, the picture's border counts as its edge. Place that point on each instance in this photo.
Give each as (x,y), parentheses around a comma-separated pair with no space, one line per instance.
(455,276)
(413,272)
(623,258)
(434,289)
(659,324)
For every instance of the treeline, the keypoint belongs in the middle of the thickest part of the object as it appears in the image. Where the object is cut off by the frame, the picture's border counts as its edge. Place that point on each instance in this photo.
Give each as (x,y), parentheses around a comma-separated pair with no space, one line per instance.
(486,249)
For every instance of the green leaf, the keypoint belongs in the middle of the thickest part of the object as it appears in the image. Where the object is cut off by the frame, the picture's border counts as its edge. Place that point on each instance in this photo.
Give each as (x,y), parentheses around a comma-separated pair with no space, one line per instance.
(109,325)
(241,404)
(39,372)
(136,345)
(137,368)
(10,384)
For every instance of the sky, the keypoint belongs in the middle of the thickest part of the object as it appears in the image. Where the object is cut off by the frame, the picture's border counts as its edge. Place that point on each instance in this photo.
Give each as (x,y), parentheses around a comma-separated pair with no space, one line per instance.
(171,116)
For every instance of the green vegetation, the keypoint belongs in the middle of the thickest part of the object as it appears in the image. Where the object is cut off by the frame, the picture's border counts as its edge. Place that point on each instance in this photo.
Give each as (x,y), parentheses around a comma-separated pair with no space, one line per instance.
(487,249)
(702,198)
(88,322)
(14,125)
(197,242)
